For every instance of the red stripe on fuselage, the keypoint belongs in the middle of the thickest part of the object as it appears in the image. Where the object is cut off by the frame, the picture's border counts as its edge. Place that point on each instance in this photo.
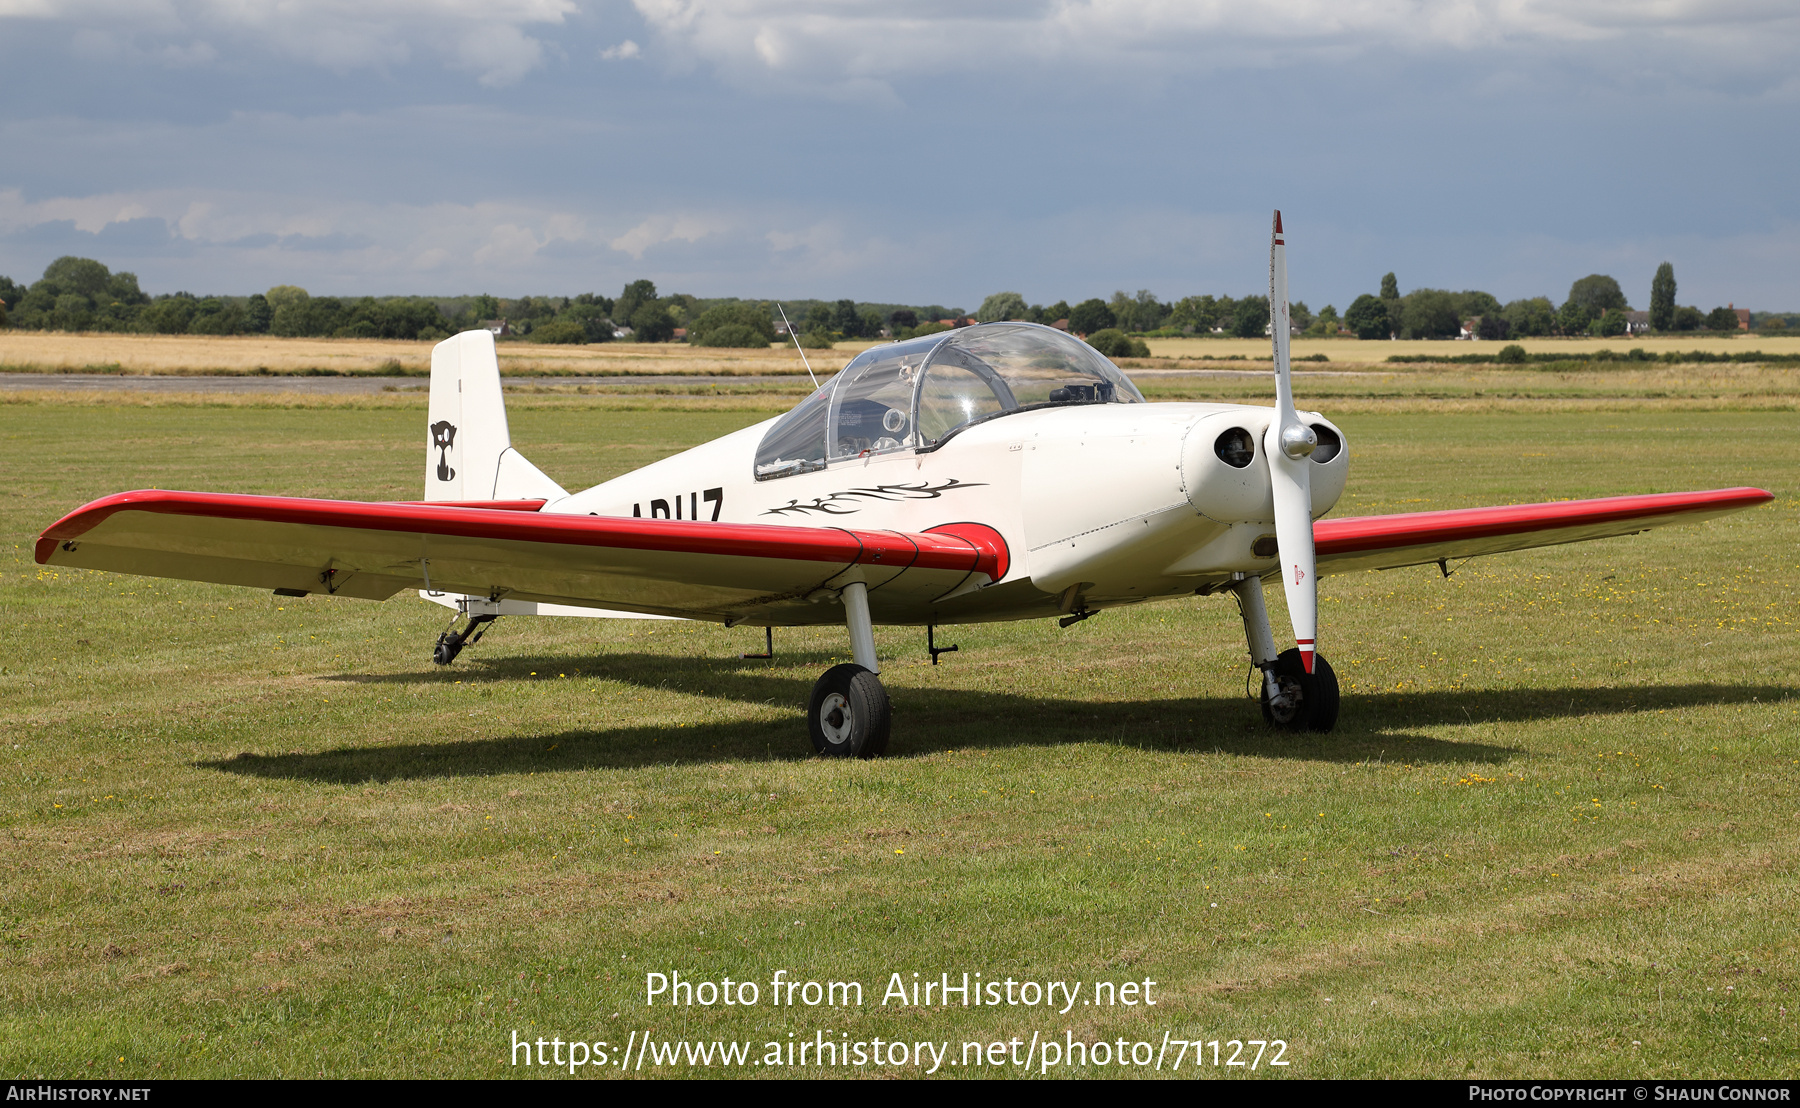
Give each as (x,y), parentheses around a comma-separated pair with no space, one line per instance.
(490,505)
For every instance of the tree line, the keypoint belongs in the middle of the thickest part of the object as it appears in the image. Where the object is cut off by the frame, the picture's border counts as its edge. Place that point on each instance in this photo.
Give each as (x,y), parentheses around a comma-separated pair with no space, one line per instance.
(1596,305)
(81,294)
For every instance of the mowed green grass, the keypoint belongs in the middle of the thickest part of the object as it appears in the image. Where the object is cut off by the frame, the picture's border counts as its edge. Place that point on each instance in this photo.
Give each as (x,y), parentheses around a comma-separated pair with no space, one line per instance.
(1554,834)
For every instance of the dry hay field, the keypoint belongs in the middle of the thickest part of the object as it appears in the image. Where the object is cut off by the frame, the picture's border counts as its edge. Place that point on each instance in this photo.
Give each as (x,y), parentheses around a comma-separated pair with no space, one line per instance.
(1356,352)
(196,355)
(202,355)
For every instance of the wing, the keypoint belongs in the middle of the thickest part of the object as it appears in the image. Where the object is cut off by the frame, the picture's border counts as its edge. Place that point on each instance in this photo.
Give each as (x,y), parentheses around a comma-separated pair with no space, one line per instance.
(1385,542)
(718,571)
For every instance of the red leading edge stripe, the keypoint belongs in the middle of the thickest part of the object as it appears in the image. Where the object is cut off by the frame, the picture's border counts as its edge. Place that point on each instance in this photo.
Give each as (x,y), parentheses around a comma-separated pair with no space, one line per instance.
(971,547)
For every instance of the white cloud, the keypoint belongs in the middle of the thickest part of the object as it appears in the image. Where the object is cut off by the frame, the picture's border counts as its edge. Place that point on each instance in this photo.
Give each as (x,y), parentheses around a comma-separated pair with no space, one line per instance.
(665,228)
(509,246)
(88,213)
(236,241)
(500,55)
(486,37)
(376,245)
(835,249)
(626,49)
(190,56)
(802,43)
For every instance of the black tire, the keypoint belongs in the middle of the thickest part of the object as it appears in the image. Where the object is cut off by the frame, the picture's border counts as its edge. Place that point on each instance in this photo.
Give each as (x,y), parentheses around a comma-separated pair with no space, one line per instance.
(1318,707)
(447,648)
(848,715)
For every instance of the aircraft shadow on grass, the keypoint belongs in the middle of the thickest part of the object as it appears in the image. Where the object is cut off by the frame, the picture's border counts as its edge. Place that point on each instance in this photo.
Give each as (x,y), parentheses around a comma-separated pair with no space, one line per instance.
(1373,726)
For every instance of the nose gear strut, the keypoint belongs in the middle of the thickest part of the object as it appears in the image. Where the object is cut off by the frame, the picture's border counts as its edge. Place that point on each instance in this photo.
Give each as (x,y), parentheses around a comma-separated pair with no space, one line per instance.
(1291,698)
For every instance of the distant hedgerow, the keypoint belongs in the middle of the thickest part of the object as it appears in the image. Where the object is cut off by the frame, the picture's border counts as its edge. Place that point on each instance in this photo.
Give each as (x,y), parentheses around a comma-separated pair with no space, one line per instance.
(1115,343)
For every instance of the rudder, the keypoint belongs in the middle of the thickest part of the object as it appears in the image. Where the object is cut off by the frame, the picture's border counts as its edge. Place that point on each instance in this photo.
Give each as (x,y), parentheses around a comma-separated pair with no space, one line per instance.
(468,448)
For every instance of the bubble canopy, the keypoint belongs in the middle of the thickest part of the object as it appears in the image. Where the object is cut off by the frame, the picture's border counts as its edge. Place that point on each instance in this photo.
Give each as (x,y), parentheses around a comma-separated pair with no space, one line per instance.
(916,394)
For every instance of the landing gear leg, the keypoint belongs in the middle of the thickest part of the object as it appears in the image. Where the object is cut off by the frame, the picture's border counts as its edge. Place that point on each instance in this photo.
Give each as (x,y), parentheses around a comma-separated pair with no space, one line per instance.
(451,642)
(1291,698)
(848,715)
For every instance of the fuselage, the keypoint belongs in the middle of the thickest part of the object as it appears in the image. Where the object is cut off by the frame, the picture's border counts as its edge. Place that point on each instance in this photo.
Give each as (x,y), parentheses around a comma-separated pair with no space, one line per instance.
(1100,504)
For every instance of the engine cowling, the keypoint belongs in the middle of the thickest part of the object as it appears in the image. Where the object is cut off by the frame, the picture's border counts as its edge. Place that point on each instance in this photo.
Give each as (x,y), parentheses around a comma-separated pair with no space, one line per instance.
(1226,478)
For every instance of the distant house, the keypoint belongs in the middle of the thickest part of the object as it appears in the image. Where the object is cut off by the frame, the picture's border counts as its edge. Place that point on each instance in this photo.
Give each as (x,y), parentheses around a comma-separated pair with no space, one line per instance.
(1471,329)
(781,327)
(1061,325)
(497,326)
(1743,315)
(621,332)
(1637,323)
(681,334)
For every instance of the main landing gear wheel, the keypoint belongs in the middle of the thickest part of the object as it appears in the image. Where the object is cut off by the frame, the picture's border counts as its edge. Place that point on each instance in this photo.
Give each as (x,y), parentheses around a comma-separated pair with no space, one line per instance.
(1309,701)
(848,715)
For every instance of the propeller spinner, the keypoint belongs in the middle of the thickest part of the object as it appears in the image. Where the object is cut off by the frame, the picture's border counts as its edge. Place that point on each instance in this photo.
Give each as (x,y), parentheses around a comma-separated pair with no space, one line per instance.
(1288,444)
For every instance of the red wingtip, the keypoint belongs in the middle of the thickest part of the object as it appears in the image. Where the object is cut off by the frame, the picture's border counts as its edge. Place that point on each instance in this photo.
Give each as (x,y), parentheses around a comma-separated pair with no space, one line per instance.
(1278,221)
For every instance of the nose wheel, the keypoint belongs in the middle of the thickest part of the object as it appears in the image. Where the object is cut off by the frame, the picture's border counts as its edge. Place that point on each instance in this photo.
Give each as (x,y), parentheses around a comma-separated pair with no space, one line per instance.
(1292,698)
(1301,701)
(848,715)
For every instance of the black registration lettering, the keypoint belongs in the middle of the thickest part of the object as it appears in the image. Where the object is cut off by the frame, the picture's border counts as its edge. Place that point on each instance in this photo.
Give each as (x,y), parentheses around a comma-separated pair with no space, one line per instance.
(661,509)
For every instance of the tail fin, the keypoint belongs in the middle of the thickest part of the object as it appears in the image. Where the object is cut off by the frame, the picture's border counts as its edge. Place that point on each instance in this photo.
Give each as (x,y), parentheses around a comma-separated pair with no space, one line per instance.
(468,452)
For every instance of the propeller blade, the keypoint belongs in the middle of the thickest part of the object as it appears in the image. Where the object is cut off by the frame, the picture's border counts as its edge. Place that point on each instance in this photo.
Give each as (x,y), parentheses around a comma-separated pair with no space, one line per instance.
(1294,537)
(1288,444)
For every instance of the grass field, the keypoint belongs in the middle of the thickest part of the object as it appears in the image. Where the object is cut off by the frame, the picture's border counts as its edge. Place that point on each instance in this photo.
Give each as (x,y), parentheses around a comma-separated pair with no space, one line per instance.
(1435,389)
(1555,833)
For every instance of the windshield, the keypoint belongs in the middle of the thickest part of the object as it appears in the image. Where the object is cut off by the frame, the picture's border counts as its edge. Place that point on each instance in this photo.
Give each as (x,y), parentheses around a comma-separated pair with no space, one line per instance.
(917,393)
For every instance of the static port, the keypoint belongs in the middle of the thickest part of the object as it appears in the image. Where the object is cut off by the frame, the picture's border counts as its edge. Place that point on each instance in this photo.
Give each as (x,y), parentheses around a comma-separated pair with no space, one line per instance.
(1235,448)
(1329,443)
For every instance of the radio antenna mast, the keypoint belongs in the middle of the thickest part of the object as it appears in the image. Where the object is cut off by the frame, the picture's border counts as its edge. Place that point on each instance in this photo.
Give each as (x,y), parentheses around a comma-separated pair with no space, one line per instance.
(797,346)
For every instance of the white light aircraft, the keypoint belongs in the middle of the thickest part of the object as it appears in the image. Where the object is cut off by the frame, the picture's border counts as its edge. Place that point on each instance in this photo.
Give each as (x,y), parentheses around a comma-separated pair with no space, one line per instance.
(996,472)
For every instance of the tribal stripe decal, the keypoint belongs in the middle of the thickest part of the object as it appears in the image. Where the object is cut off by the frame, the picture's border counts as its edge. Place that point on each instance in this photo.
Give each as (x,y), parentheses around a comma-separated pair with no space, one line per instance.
(850,501)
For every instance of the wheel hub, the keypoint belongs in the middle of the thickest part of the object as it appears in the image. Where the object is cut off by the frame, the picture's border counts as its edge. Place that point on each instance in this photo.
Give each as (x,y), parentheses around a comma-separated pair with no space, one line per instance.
(1286,704)
(835,718)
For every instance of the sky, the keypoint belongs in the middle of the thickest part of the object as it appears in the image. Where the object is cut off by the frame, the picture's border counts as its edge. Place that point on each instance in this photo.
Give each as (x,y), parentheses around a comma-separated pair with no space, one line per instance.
(930,152)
